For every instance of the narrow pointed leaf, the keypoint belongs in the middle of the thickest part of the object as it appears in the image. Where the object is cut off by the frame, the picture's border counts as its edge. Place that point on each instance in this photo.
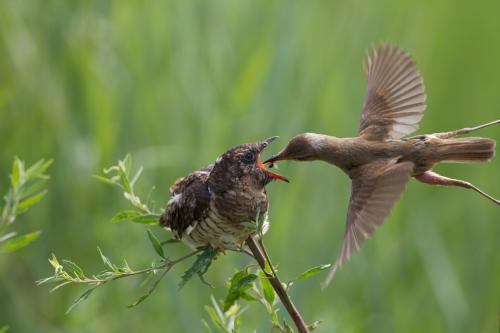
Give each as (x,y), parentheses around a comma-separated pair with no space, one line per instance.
(215,320)
(35,187)
(314,325)
(288,328)
(311,272)
(240,283)
(7,236)
(205,325)
(105,180)
(136,176)
(200,265)
(16,172)
(80,299)
(156,244)
(37,169)
(267,288)
(20,241)
(124,215)
(28,202)
(72,268)
(143,297)
(147,219)
(106,261)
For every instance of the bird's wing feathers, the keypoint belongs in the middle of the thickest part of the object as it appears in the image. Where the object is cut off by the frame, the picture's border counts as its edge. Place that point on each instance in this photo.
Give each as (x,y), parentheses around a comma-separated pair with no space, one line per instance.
(189,202)
(372,197)
(395,96)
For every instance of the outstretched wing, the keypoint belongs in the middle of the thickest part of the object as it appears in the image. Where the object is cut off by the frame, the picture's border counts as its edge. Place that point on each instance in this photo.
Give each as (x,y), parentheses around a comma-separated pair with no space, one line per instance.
(189,202)
(395,97)
(372,198)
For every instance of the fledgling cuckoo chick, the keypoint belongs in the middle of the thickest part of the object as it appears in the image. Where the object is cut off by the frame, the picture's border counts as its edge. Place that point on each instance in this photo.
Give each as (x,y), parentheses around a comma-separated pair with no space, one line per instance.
(210,206)
(379,160)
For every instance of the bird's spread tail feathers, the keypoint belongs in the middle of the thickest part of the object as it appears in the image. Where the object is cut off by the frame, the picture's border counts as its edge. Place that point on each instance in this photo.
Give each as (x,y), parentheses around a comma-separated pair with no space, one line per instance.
(466,150)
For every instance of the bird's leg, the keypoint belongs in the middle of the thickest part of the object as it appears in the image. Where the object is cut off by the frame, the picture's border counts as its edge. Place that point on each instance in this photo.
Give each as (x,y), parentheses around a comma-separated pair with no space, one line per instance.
(452,134)
(430,177)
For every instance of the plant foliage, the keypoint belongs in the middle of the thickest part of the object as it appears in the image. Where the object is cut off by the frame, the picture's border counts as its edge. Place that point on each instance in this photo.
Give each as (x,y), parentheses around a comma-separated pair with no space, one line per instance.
(26,189)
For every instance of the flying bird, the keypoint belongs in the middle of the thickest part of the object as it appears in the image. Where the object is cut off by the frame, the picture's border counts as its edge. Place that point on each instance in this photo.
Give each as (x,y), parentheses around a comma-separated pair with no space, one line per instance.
(380,161)
(212,206)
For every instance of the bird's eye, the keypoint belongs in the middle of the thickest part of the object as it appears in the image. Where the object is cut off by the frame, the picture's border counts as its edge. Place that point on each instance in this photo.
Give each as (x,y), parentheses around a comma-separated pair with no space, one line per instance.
(248,157)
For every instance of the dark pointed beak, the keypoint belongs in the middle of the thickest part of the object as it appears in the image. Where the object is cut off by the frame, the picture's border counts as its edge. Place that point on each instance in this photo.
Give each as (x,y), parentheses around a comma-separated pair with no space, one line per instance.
(272,159)
(261,165)
(267,141)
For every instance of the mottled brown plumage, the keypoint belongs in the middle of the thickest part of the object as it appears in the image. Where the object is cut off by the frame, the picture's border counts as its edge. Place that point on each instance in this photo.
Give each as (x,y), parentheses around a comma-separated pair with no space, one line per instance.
(378,161)
(210,206)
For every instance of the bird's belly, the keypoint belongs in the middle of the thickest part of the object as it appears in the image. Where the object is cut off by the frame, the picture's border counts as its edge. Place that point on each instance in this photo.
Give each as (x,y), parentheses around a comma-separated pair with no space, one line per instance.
(216,232)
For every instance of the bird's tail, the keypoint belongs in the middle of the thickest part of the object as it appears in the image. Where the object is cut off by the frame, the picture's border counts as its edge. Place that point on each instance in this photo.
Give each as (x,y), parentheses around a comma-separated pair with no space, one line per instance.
(466,150)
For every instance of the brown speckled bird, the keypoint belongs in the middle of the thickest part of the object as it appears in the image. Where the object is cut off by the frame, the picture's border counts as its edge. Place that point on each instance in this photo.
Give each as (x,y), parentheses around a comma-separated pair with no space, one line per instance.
(210,206)
(378,161)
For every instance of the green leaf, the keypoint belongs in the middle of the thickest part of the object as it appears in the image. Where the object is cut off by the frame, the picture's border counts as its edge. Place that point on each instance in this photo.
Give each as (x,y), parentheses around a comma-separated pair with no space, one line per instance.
(288,328)
(28,202)
(200,265)
(147,219)
(203,321)
(4,329)
(248,297)
(105,180)
(123,169)
(55,263)
(60,285)
(240,283)
(106,275)
(311,272)
(267,288)
(106,261)
(314,325)
(126,214)
(7,236)
(275,318)
(139,301)
(82,298)
(218,310)
(20,241)
(127,162)
(37,169)
(111,168)
(17,171)
(150,291)
(170,241)
(136,176)
(35,187)
(73,268)
(156,244)
(49,279)
(215,319)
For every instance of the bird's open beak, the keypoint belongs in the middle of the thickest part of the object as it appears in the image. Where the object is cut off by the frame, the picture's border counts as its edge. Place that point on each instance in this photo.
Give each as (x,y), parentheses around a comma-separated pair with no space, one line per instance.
(262,165)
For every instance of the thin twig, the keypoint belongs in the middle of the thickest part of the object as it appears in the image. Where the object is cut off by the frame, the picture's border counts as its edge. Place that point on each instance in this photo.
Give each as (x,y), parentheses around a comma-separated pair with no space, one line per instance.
(277,285)
(242,250)
(266,255)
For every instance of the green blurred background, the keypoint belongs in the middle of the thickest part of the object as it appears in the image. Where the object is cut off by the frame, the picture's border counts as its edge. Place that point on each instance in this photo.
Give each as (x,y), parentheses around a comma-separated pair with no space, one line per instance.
(176,83)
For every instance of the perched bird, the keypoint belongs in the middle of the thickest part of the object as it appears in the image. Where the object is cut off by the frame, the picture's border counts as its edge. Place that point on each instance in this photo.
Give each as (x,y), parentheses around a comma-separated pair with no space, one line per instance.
(379,160)
(210,206)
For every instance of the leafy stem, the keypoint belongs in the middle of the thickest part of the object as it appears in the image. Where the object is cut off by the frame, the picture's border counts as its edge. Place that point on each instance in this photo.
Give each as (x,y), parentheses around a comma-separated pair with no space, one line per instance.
(68,272)
(26,189)
(277,285)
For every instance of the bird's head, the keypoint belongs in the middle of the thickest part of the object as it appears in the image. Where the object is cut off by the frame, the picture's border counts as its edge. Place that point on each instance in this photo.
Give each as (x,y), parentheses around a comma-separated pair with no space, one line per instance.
(302,147)
(242,165)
